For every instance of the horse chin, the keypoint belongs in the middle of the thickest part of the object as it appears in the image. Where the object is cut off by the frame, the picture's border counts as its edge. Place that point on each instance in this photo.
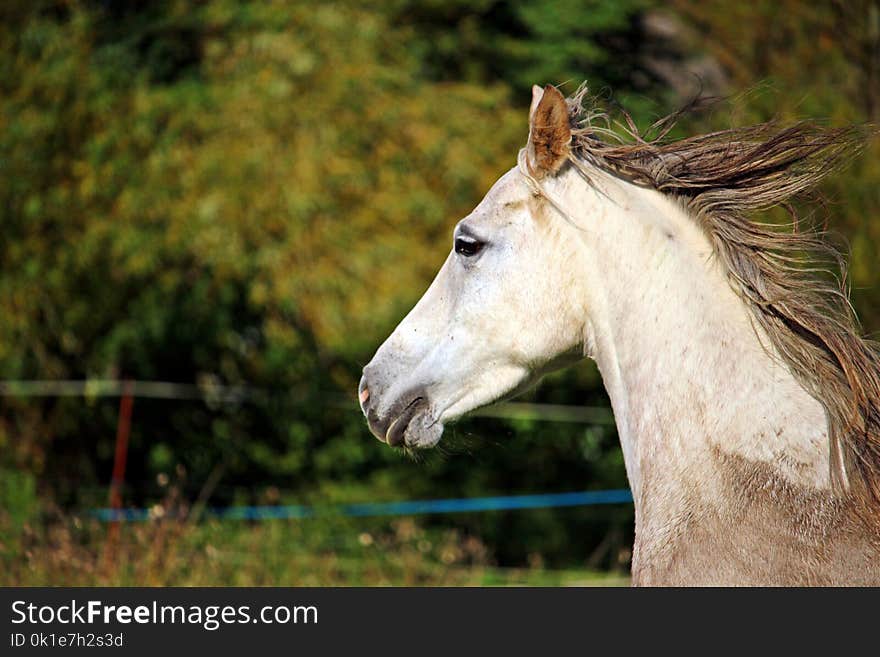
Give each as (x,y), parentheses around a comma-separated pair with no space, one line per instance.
(423,431)
(413,425)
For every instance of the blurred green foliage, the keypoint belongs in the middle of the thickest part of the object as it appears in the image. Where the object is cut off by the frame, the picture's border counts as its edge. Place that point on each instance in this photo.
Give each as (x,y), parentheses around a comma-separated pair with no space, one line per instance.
(256,192)
(524,41)
(793,60)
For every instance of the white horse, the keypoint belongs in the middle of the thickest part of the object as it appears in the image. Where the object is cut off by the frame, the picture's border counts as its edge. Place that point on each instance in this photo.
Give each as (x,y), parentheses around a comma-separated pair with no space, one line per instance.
(747,404)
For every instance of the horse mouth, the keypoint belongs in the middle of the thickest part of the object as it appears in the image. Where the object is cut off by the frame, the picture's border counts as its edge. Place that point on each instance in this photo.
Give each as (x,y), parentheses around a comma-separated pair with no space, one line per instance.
(394,432)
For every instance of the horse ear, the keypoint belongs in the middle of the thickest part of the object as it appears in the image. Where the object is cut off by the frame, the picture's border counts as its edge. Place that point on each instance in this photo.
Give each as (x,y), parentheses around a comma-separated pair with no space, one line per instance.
(549,131)
(537,95)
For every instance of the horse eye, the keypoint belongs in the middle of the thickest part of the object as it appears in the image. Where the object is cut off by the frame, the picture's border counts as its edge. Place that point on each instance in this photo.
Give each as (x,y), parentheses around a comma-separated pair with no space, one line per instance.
(467,247)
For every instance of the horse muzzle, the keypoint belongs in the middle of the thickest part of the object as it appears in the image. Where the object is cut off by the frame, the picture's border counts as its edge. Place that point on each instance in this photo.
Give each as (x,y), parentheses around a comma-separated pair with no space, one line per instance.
(392,424)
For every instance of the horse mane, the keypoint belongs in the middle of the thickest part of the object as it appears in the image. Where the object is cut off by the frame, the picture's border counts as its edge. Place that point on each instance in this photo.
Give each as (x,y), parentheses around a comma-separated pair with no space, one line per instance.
(784,273)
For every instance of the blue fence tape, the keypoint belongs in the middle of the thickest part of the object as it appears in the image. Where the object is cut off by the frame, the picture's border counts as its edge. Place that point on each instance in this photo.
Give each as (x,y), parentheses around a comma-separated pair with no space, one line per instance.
(405,508)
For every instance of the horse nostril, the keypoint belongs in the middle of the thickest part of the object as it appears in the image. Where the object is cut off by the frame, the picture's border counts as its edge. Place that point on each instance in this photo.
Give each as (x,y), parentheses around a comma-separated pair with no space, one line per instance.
(363,394)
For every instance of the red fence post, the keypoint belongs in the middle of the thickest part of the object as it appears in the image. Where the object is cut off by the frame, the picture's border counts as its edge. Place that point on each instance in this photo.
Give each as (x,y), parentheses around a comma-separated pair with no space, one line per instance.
(123,430)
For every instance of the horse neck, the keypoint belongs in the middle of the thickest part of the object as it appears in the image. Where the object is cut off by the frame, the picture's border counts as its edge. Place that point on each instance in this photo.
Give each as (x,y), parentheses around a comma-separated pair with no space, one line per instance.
(693,384)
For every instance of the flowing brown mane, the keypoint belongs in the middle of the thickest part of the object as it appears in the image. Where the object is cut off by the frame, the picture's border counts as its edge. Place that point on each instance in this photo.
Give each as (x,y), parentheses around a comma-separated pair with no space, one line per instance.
(723,178)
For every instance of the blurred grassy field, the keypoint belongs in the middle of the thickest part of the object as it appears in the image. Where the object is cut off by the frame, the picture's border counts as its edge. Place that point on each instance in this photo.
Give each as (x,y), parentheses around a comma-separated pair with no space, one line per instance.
(325,552)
